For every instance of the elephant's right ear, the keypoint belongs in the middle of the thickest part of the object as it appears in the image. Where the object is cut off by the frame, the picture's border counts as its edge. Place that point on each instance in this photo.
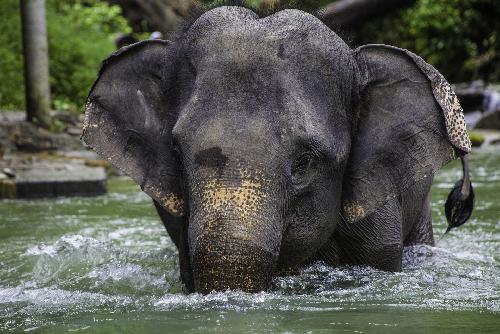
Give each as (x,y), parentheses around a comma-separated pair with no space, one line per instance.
(129,117)
(410,125)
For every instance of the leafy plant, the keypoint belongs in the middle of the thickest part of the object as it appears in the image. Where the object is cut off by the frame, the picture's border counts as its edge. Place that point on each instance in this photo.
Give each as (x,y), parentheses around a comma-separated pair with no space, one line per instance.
(11,61)
(80,35)
(459,37)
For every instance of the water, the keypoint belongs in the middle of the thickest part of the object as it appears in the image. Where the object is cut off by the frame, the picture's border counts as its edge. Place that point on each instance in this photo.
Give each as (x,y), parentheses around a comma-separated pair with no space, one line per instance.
(106,265)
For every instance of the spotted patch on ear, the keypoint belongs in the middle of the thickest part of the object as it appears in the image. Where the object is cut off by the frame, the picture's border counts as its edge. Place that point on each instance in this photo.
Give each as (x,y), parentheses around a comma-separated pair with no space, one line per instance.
(174,204)
(353,211)
(453,115)
(90,108)
(447,99)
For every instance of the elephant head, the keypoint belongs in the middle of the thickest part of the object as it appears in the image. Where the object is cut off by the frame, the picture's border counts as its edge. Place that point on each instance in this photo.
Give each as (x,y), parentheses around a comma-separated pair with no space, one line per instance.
(261,133)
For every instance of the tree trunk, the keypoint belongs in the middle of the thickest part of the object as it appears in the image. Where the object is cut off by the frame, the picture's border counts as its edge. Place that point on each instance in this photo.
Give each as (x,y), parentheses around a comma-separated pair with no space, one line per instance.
(36,62)
(350,13)
(166,15)
(156,15)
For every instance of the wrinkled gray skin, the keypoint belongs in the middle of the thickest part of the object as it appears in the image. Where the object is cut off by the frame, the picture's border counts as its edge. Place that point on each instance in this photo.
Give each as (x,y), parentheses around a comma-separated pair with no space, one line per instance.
(256,136)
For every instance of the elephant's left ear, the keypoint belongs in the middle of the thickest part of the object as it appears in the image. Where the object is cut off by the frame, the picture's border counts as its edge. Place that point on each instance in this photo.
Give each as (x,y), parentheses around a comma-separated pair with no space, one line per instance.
(129,116)
(410,125)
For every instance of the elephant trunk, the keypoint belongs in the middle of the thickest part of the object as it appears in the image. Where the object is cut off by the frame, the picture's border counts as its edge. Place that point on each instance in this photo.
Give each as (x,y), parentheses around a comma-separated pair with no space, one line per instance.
(235,234)
(223,260)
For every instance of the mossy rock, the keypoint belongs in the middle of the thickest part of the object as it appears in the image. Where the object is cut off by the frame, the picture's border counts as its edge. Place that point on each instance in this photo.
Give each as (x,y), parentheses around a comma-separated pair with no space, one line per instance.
(98,163)
(477,139)
(7,187)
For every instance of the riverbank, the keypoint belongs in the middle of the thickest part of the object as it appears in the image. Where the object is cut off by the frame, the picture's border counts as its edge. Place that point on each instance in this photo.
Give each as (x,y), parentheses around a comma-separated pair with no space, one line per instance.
(37,163)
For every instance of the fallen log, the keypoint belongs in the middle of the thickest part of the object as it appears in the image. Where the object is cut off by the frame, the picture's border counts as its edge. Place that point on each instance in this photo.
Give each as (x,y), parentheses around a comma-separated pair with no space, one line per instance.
(350,13)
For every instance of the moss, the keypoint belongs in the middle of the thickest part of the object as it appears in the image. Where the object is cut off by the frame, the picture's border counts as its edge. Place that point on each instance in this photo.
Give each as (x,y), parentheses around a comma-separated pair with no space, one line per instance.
(477,139)
(7,188)
(98,163)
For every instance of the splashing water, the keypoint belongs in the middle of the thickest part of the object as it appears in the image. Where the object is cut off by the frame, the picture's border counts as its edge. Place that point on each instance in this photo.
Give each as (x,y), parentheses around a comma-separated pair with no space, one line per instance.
(107,265)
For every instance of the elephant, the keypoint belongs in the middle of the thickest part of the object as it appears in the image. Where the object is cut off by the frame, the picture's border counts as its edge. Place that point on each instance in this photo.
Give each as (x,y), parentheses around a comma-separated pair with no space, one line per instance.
(267,143)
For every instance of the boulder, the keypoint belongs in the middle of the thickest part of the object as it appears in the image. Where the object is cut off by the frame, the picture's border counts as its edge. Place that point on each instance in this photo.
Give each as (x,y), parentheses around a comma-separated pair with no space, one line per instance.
(490,120)
(26,137)
(39,179)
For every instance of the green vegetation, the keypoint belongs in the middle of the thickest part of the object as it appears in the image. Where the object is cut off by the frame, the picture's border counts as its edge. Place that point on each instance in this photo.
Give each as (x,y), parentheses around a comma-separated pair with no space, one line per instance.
(11,62)
(476,139)
(81,33)
(461,38)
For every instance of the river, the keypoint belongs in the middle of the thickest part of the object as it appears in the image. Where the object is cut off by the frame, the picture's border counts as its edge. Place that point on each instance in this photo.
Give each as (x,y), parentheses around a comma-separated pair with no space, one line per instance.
(106,265)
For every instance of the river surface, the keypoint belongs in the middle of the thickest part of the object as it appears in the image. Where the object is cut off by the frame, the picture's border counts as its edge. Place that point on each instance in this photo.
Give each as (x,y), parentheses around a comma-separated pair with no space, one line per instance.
(106,265)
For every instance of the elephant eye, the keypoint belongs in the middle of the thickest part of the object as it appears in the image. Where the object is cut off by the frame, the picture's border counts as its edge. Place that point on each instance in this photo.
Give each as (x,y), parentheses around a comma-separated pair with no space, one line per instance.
(177,155)
(303,163)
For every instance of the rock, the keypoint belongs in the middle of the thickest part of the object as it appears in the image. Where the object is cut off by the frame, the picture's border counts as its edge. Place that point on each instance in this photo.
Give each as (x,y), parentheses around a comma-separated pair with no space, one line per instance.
(491,102)
(79,154)
(471,118)
(16,134)
(110,169)
(27,137)
(54,179)
(74,131)
(6,144)
(9,172)
(476,96)
(495,141)
(470,95)
(12,116)
(489,120)
(67,118)
(7,188)
(98,163)
(491,137)
(37,163)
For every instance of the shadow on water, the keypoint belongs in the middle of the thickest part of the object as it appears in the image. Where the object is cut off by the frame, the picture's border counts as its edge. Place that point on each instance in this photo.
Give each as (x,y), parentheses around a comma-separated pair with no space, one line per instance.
(106,265)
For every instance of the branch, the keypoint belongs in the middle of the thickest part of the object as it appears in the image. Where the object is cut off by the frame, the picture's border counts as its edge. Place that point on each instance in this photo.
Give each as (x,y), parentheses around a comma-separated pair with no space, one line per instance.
(160,15)
(349,13)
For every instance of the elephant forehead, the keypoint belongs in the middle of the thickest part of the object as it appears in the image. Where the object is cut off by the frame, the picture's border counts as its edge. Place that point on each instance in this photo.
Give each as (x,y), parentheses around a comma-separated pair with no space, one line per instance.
(217,139)
(281,24)
(235,33)
(226,106)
